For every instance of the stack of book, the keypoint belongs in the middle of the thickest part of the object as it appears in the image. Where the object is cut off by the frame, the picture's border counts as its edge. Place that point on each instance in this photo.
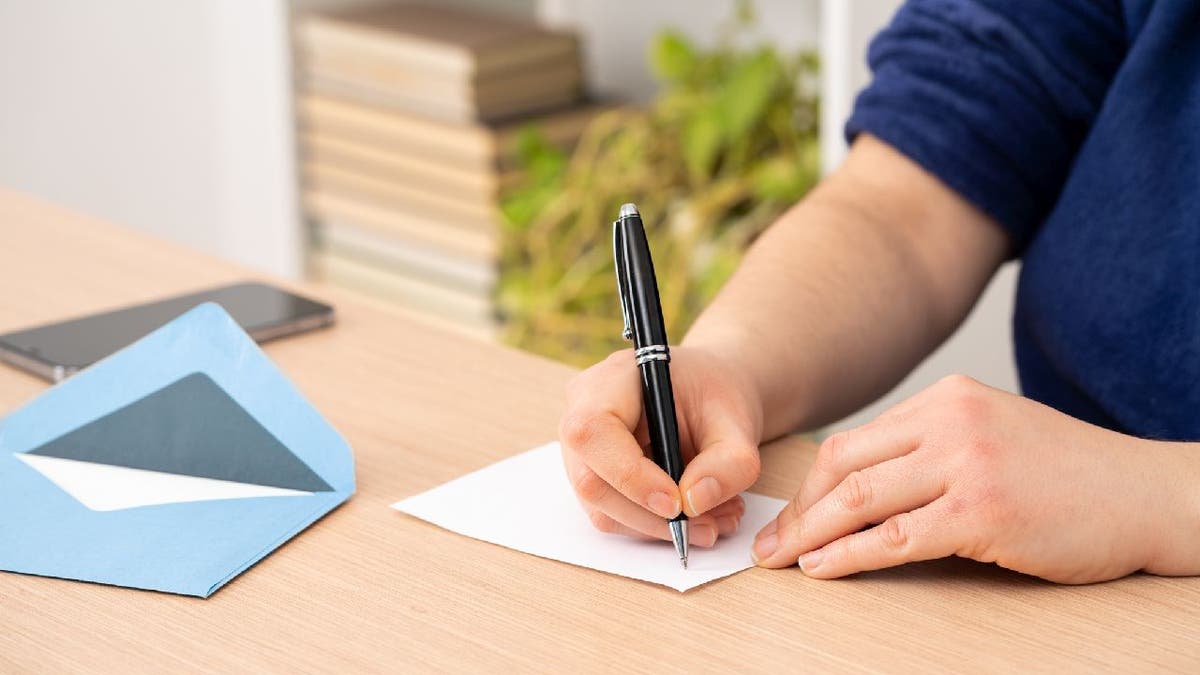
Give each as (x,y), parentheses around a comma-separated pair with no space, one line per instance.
(407,119)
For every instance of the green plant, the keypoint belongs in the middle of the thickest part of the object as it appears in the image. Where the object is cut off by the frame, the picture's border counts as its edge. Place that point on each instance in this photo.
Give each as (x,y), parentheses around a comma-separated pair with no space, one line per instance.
(726,146)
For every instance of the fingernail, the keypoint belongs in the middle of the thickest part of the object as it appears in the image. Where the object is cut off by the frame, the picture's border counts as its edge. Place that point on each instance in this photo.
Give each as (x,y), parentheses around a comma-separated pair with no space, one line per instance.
(727,525)
(764,548)
(810,561)
(703,495)
(768,530)
(663,505)
(704,535)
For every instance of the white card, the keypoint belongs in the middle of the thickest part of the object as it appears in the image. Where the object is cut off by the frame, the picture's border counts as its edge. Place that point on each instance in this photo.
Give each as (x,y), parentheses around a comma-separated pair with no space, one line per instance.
(104,487)
(526,503)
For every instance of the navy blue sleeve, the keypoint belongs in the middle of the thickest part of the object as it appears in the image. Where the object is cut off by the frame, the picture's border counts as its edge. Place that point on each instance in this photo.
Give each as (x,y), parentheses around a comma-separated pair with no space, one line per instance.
(994,97)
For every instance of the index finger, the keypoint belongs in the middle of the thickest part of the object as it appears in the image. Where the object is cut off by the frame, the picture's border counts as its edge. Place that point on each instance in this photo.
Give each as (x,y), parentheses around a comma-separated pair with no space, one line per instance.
(927,533)
(842,454)
(603,409)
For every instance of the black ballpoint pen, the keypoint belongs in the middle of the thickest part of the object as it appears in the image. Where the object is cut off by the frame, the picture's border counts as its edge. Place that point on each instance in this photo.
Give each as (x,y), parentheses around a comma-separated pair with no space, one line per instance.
(642,312)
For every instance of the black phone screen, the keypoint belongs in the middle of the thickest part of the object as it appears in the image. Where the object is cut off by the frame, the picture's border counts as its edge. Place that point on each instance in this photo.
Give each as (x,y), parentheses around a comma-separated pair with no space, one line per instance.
(263,311)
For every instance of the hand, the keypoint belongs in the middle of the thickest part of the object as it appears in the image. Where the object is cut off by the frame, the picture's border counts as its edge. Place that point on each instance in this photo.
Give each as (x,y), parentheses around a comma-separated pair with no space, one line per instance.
(964,469)
(605,440)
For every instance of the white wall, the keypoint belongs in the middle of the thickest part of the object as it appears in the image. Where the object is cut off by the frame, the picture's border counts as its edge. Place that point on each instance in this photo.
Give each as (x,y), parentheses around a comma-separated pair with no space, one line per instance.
(169,117)
(617,33)
(846,31)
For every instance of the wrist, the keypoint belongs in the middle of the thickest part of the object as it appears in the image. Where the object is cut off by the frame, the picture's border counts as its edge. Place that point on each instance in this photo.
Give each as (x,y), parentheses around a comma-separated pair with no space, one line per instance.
(1175,550)
(739,373)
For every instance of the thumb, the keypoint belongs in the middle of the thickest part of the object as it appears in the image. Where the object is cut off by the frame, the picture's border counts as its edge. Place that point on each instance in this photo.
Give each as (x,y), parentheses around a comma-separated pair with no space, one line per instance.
(726,463)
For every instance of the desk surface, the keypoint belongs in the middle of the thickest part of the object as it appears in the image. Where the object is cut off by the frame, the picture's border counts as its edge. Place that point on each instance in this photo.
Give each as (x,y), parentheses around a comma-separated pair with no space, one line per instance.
(367,588)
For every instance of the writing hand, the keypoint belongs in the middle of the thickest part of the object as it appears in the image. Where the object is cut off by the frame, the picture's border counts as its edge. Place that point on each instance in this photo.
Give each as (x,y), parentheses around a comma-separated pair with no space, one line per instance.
(604,441)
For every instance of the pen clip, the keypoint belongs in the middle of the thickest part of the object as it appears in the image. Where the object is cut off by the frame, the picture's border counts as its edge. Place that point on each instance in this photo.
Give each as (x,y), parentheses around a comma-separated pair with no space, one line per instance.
(622,284)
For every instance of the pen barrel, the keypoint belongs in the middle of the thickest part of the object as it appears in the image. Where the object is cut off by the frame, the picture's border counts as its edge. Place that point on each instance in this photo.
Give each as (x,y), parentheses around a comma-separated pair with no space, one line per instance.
(644,306)
(638,287)
(659,401)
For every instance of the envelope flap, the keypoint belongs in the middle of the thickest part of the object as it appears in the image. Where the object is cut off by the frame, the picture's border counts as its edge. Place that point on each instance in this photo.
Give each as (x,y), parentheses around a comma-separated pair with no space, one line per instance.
(194,390)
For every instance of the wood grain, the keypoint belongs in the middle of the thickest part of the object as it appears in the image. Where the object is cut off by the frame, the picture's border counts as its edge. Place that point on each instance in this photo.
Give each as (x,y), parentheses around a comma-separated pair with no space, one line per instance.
(368,589)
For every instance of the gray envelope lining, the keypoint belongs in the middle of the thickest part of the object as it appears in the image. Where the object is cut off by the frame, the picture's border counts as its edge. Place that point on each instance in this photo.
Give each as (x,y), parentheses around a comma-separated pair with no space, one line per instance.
(190,427)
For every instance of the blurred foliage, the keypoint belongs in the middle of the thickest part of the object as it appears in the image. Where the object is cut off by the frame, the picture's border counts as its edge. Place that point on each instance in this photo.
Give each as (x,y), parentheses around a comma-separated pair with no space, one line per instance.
(727,145)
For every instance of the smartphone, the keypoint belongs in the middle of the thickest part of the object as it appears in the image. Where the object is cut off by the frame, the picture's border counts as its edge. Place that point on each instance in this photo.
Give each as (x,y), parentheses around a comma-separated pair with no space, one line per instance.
(58,350)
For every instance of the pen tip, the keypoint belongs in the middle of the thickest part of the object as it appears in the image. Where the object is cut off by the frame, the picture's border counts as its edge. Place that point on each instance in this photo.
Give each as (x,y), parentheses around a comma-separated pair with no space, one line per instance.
(683,561)
(628,210)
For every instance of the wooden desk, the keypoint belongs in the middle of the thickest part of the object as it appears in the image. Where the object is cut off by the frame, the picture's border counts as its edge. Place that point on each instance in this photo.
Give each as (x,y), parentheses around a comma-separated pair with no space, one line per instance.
(369,589)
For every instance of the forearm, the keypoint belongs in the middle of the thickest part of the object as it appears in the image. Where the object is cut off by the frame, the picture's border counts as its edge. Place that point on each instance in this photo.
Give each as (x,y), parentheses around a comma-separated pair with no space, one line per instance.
(851,288)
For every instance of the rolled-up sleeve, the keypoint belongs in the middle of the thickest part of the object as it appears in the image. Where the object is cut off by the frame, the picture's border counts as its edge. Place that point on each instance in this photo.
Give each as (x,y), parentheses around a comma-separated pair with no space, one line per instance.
(993,97)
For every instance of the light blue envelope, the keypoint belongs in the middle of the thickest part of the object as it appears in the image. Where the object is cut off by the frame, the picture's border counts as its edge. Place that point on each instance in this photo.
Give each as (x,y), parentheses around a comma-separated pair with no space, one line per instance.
(172,465)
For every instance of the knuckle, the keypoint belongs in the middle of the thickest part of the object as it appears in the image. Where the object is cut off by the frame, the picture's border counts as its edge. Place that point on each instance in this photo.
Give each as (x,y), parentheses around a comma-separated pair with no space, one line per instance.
(957,382)
(974,454)
(578,429)
(590,487)
(831,452)
(615,364)
(854,493)
(625,478)
(983,513)
(983,455)
(603,522)
(966,401)
(748,460)
(957,506)
(793,508)
(621,358)
(895,532)
(989,505)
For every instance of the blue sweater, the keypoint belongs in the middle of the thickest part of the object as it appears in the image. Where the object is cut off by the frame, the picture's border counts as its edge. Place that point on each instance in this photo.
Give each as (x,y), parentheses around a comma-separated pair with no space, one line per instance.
(1076,126)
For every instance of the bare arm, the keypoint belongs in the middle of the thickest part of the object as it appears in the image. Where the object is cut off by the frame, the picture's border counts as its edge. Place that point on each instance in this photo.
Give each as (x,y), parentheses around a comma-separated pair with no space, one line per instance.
(847,292)
(832,306)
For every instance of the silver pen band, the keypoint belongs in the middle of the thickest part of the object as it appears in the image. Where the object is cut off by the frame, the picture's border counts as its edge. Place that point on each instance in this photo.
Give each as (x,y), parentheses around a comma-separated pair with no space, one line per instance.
(650,353)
